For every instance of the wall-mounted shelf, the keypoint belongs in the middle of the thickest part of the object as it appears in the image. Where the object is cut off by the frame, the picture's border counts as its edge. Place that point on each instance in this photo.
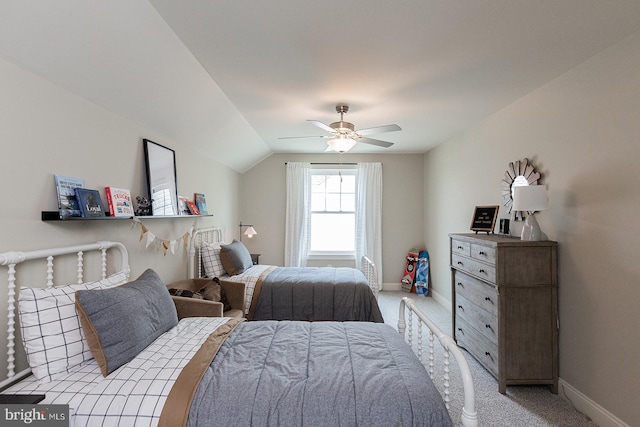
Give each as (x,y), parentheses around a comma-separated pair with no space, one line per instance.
(55,216)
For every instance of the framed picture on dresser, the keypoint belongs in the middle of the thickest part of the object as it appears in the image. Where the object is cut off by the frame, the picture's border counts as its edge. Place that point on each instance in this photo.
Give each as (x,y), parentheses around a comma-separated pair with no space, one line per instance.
(484,218)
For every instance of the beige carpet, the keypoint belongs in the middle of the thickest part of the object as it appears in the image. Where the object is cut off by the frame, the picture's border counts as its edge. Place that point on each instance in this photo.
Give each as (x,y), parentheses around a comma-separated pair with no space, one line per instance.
(521,406)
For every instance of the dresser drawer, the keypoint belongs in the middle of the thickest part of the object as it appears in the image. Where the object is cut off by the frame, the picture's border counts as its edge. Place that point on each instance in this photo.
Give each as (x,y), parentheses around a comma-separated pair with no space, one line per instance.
(483,253)
(476,291)
(477,268)
(481,320)
(476,344)
(460,247)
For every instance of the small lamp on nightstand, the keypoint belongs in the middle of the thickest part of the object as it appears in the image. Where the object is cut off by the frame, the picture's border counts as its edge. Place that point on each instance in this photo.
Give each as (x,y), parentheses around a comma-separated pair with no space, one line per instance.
(249,232)
(531,198)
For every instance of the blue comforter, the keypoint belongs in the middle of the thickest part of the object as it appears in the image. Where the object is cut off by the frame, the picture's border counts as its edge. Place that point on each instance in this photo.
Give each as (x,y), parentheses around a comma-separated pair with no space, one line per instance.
(316,293)
(316,374)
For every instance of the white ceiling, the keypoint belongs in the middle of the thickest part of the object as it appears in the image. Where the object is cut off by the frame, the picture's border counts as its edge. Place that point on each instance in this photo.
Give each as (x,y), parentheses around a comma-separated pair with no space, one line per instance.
(228,78)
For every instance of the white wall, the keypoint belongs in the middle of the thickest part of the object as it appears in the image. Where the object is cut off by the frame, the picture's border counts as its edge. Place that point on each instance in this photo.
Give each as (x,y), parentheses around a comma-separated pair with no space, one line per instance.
(582,131)
(46,130)
(263,205)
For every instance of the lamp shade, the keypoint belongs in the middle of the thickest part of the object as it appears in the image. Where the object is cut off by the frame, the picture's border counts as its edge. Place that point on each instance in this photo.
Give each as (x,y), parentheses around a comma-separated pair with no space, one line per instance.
(530,198)
(341,143)
(250,232)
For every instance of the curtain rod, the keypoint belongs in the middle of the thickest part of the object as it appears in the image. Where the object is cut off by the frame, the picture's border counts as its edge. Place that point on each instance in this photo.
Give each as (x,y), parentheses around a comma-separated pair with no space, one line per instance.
(348,164)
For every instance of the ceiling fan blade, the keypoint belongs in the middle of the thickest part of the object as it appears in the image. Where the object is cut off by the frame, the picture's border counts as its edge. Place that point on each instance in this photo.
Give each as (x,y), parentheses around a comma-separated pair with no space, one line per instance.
(377,142)
(379,129)
(322,126)
(310,136)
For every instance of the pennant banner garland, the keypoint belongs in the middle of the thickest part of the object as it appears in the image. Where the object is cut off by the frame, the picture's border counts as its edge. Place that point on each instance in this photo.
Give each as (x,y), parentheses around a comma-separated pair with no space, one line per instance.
(166,245)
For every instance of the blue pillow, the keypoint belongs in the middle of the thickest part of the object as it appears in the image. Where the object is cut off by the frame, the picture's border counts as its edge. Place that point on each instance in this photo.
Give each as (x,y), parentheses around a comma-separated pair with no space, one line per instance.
(235,258)
(120,322)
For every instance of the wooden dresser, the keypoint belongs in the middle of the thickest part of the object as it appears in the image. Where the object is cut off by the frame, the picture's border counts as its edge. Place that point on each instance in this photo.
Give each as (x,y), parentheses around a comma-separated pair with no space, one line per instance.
(505,306)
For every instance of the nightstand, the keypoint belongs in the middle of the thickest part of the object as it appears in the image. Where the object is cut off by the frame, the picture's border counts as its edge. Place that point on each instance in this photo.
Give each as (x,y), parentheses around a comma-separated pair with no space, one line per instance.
(255,258)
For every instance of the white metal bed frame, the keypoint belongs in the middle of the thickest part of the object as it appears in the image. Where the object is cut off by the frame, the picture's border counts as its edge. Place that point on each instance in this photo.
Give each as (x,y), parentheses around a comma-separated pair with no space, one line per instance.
(408,307)
(11,259)
(213,235)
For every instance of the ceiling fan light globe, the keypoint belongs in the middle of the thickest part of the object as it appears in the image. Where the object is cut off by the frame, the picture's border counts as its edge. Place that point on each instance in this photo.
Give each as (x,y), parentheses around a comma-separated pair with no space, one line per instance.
(341,144)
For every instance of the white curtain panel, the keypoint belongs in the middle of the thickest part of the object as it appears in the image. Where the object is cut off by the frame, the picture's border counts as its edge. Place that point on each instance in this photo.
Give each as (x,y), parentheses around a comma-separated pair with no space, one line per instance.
(369,214)
(298,215)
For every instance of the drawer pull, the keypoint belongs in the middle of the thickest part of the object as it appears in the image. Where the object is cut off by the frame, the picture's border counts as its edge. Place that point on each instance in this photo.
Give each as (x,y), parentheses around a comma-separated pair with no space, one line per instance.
(461,308)
(459,329)
(481,253)
(459,262)
(460,284)
(482,271)
(487,299)
(487,326)
(460,247)
(486,353)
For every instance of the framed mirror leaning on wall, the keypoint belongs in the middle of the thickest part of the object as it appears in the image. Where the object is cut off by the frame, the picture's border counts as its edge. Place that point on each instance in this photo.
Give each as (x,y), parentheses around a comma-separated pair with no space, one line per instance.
(161,178)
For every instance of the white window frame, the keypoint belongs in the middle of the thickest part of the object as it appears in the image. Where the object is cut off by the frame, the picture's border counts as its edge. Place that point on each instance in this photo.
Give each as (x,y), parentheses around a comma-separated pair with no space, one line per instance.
(329,170)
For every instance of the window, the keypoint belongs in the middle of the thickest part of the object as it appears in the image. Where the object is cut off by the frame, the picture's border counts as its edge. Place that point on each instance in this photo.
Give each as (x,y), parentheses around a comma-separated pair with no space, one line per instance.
(333,204)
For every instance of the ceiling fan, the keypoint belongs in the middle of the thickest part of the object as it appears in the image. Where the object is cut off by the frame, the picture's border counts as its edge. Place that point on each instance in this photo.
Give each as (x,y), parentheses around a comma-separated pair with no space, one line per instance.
(343,135)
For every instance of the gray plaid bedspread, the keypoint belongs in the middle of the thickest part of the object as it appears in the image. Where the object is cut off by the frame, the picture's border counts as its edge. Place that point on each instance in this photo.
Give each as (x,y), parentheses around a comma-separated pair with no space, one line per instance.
(316,374)
(317,293)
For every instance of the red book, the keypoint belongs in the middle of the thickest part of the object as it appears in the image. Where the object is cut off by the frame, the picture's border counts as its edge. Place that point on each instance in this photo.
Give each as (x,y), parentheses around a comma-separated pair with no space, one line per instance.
(193,208)
(119,201)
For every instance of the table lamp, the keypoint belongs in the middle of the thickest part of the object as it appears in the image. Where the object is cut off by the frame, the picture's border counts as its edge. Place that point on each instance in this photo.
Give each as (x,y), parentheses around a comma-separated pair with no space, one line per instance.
(531,198)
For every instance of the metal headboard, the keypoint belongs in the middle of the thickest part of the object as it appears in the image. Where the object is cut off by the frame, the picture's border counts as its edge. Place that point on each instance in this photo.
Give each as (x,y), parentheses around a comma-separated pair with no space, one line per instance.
(13,258)
(200,236)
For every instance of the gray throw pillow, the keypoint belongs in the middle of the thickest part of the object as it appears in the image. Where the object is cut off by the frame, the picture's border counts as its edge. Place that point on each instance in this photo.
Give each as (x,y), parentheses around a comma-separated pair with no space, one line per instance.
(120,322)
(235,258)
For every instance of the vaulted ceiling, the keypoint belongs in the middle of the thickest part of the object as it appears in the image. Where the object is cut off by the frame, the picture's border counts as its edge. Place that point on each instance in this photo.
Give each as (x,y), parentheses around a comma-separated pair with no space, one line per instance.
(229,78)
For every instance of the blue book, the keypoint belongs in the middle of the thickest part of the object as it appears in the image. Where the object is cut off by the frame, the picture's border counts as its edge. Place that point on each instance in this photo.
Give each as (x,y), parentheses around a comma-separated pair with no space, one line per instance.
(90,203)
(67,202)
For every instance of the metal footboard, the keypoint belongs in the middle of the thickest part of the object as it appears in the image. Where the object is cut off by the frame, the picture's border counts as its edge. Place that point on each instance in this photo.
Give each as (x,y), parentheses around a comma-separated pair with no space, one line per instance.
(469,413)
(370,271)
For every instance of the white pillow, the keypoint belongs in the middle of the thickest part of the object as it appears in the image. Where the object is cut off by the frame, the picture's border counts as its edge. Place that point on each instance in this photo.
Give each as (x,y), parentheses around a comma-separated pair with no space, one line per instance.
(211,262)
(51,333)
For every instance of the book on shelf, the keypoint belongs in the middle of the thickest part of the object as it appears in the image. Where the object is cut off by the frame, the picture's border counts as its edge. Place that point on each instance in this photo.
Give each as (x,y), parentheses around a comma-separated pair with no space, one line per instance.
(201,203)
(119,201)
(193,208)
(183,206)
(67,202)
(90,203)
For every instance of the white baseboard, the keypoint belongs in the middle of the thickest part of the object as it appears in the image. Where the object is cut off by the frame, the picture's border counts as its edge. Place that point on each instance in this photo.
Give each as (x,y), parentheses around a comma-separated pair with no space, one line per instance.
(392,286)
(591,409)
(440,299)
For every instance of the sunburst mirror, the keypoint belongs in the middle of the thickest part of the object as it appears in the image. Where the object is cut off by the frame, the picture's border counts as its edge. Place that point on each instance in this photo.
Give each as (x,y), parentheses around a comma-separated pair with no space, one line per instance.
(520,172)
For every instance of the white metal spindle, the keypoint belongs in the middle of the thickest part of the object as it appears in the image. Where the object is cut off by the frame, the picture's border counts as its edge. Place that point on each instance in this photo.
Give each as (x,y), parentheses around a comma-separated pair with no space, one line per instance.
(103,264)
(420,340)
(446,379)
(49,271)
(410,327)
(80,267)
(199,243)
(11,338)
(431,365)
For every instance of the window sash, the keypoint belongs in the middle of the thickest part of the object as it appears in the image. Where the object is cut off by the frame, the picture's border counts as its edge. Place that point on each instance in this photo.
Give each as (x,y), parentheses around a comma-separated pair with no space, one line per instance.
(333,198)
